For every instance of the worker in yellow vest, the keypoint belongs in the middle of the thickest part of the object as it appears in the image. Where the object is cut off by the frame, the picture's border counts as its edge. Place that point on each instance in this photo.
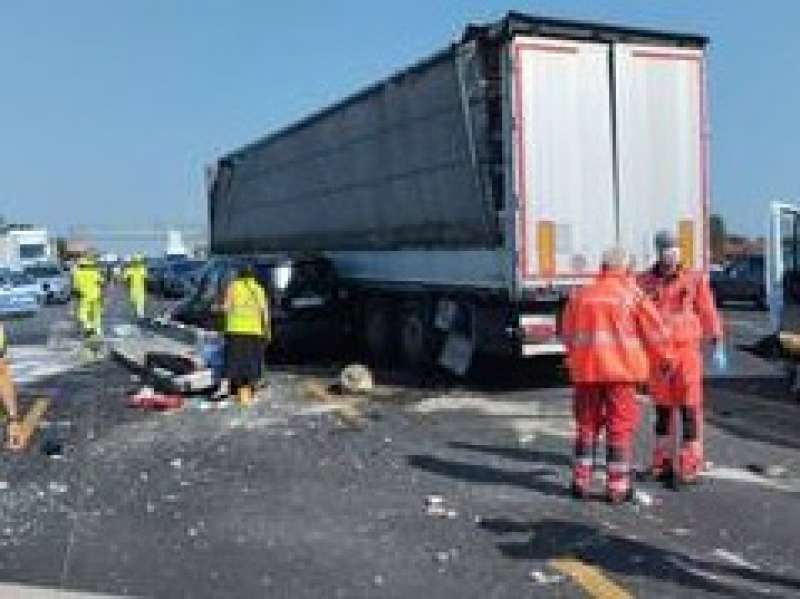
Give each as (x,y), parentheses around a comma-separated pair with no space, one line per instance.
(90,293)
(135,275)
(8,393)
(77,286)
(247,329)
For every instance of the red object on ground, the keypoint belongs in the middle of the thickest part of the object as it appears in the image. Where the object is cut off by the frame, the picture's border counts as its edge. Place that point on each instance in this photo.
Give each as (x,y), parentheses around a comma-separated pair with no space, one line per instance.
(156,401)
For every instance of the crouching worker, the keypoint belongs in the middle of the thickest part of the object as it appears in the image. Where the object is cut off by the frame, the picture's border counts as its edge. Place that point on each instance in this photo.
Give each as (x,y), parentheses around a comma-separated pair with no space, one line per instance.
(612,332)
(247,329)
(8,393)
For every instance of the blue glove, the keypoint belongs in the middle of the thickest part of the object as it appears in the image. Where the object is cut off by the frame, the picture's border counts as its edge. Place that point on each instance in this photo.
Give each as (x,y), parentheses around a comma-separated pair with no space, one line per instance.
(720,357)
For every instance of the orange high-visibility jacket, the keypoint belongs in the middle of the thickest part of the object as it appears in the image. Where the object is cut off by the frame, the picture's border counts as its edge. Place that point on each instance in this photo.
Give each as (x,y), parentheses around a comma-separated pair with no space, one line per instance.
(612,332)
(686,304)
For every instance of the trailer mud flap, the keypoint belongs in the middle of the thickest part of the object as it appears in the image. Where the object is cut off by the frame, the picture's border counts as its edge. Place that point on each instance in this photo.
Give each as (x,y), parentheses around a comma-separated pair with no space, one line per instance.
(457,353)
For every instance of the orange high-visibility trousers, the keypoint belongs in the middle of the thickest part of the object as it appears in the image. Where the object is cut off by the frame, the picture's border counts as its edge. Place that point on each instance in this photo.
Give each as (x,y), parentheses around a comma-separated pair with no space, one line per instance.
(613,407)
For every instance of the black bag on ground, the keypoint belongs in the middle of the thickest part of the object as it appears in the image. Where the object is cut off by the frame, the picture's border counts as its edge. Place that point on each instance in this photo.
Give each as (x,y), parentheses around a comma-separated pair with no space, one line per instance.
(176,364)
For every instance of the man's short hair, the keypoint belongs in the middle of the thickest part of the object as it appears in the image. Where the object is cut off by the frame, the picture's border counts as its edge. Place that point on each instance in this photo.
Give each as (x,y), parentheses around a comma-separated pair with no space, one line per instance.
(615,258)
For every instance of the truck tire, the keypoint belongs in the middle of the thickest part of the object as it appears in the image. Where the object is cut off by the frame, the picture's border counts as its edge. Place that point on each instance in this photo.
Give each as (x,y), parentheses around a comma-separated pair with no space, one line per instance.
(378,332)
(415,339)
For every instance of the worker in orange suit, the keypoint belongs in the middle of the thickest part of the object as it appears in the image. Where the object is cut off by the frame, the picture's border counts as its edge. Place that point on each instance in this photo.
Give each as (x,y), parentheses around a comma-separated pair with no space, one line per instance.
(612,334)
(685,301)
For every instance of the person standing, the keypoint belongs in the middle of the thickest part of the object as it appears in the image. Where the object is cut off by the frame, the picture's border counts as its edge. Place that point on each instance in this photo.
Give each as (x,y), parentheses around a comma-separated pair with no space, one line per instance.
(686,303)
(90,289)
(613,335)
(135,275)
(247,328)
(8,393)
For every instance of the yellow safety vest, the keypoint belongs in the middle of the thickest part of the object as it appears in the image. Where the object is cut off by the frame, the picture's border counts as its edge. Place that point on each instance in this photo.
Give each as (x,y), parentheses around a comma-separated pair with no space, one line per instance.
(246,313)
(136,275)
(90,283)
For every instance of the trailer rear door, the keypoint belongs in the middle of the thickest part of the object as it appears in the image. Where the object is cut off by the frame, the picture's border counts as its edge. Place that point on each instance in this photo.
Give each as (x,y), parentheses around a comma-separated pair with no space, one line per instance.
(563,150)
(662,150)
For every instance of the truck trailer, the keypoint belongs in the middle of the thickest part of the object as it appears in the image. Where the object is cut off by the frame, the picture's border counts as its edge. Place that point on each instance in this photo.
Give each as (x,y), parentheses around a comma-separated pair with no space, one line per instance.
(462,198)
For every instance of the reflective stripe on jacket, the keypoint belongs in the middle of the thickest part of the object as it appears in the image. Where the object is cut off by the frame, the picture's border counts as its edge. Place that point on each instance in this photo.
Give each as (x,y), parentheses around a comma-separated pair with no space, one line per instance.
(246,308)
(612,332)
(686,304)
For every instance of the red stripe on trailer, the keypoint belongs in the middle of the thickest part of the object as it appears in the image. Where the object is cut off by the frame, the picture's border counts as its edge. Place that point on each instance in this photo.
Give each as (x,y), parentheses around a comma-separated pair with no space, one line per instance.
(666,55)
(704,159)
(548,47)
(522,196)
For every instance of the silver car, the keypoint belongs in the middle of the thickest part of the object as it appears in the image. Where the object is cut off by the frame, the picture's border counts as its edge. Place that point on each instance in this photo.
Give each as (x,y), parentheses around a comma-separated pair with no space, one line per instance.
(55,285)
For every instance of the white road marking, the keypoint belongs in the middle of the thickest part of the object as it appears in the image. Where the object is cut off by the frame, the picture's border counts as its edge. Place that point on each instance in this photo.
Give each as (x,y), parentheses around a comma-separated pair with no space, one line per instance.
(32,363)
(526,418)
(735,559)
(745,476)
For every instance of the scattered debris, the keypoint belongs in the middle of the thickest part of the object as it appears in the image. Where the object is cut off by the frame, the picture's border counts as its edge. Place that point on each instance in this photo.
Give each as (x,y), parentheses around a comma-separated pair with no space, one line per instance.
(681,532)
(379,580)
(771,471)
(53,448)
(350,416)
(143,476)
(435,506)
(526,439)
(543,578)
(150,507)
(148,399)
(125,330)
(176,463)
(57,487)
(442,557)
(192,532)
(356,379)
(642,498)
(3,485)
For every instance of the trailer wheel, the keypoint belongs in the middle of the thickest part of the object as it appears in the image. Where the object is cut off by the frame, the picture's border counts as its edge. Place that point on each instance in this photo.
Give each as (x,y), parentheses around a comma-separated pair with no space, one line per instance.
(378,331)
(415,342)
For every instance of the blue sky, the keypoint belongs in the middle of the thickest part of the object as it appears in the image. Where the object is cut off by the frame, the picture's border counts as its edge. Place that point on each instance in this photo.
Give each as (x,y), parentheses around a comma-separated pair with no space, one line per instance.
(109,110)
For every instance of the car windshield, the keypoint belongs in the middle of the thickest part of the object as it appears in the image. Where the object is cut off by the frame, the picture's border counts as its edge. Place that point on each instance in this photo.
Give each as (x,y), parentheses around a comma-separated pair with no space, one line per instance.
(43,271)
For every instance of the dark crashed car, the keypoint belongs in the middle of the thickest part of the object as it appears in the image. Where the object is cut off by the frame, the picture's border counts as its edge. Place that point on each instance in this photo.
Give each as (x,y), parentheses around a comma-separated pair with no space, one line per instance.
(741,281)
(305,307)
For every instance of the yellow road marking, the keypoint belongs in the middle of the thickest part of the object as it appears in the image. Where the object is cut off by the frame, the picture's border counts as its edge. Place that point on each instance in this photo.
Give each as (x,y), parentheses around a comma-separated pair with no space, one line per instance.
(589,578)
(28,425)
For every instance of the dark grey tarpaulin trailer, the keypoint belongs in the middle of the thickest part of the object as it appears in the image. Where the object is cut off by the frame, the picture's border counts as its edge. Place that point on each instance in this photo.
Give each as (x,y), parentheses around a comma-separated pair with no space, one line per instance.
(489,176)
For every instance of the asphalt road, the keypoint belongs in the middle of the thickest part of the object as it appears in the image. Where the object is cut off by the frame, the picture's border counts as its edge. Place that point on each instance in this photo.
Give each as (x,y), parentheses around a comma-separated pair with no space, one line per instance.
(290,498)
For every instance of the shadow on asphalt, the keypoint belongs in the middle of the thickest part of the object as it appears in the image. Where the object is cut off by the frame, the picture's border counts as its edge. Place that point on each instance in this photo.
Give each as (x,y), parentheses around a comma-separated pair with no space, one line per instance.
(759,408)
(625,557)
(516,453)
(534,479)
(488,374)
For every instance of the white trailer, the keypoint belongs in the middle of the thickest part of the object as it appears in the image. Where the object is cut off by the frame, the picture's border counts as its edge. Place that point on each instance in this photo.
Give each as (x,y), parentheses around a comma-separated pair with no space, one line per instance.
(462,198)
